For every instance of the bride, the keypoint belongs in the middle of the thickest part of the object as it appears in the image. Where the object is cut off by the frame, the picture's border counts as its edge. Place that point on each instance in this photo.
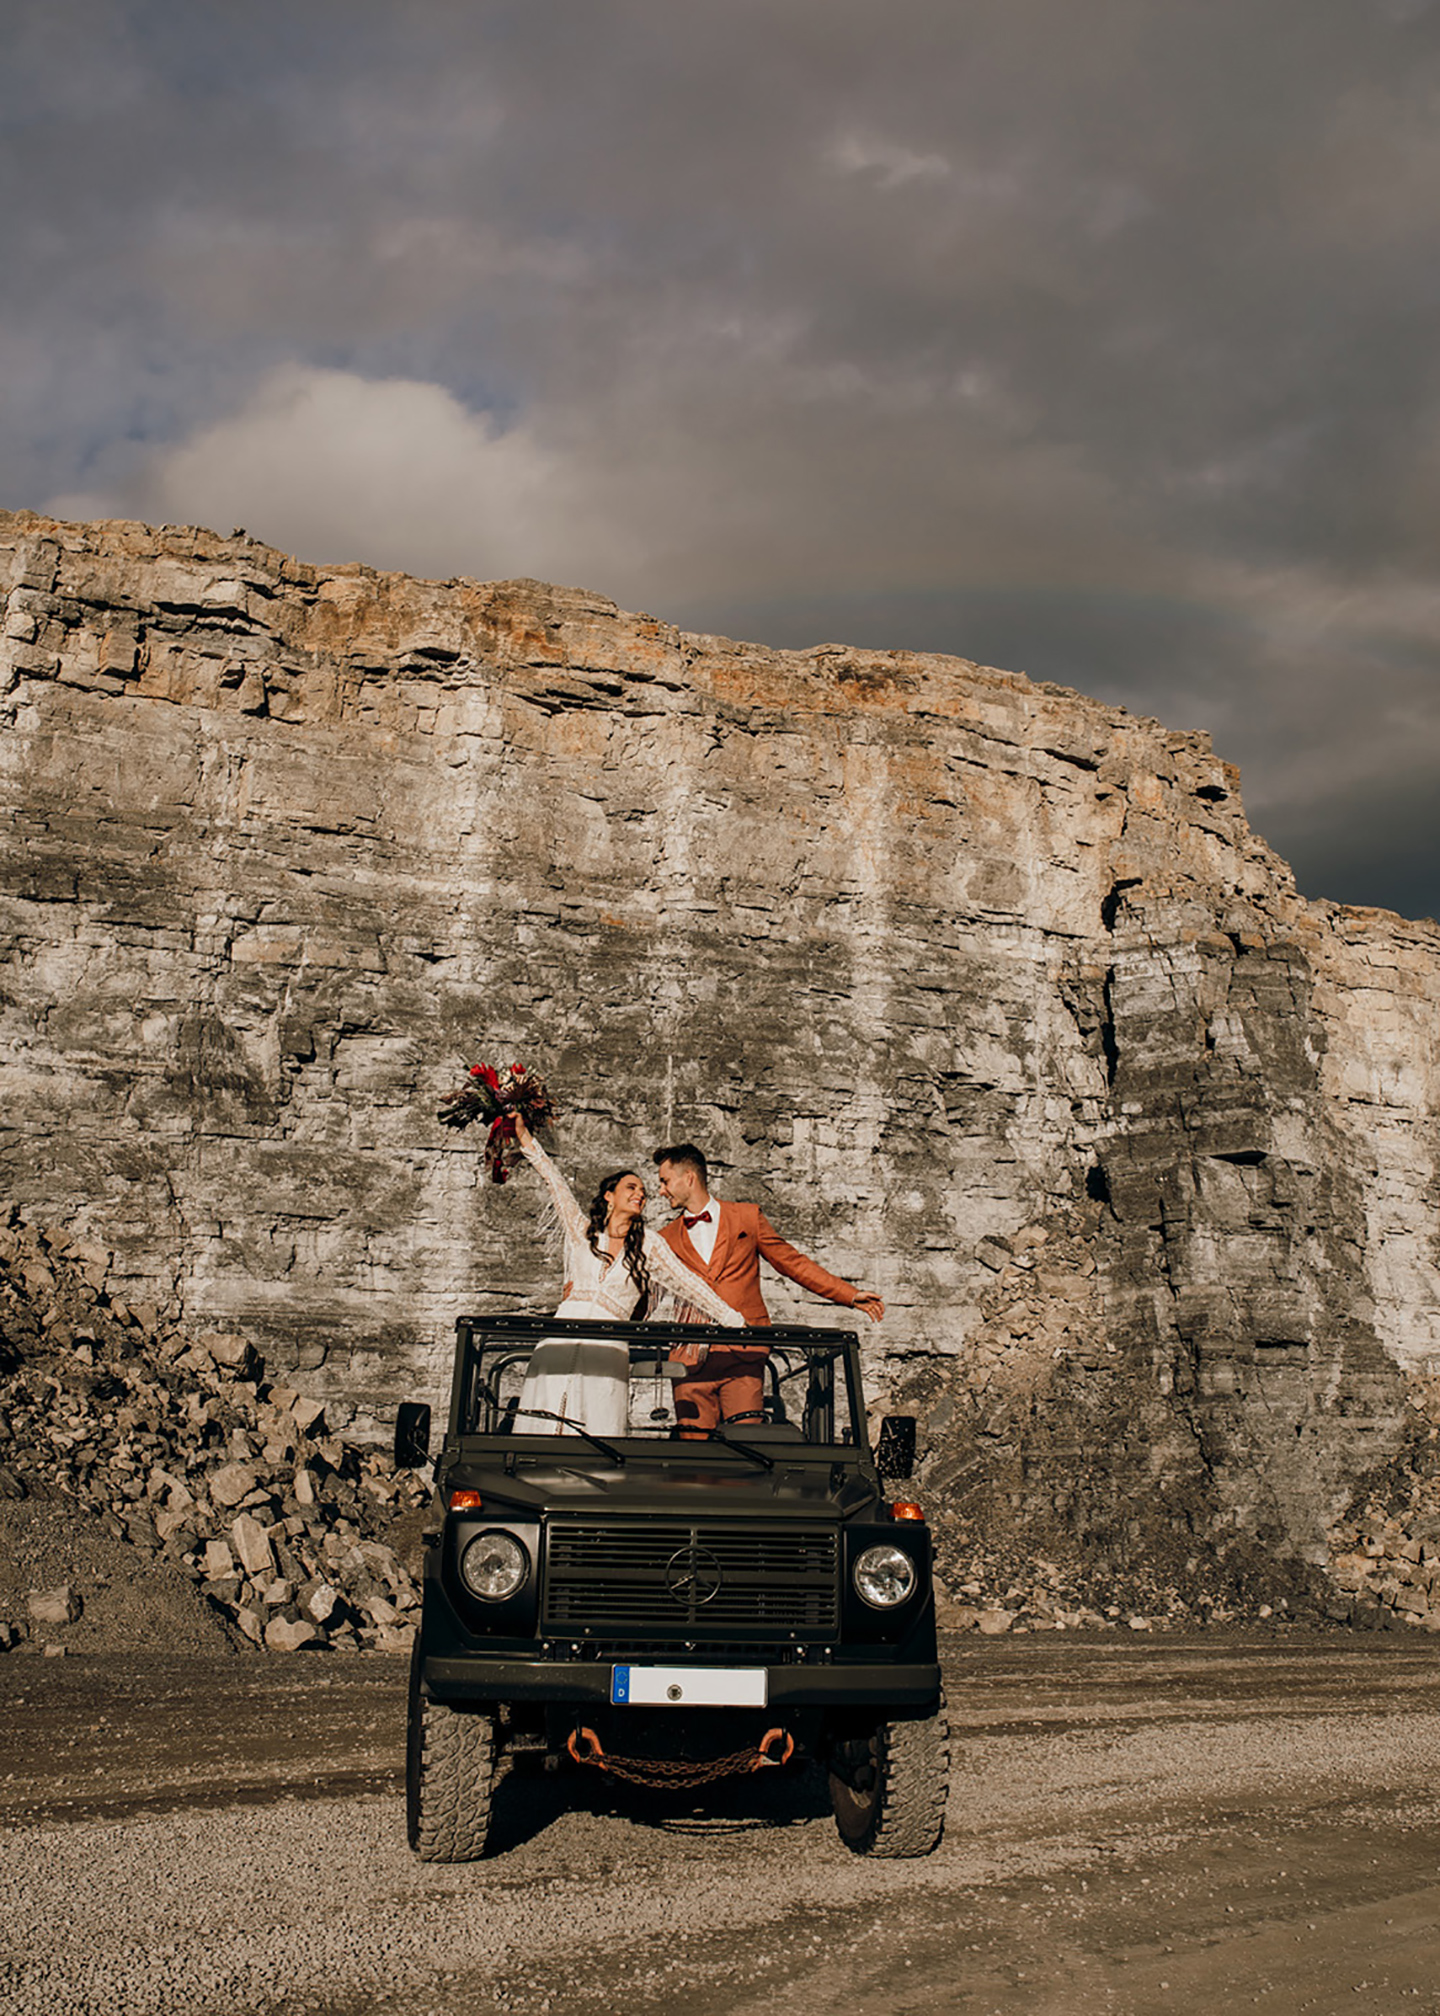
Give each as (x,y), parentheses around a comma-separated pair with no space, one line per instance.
(612,1260)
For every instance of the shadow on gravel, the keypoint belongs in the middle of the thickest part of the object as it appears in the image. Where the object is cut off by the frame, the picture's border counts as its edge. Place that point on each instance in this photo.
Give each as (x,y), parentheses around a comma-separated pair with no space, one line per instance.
(527,1803)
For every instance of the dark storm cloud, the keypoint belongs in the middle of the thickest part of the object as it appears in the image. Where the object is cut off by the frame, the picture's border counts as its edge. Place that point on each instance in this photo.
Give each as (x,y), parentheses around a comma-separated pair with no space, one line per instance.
(1096,341)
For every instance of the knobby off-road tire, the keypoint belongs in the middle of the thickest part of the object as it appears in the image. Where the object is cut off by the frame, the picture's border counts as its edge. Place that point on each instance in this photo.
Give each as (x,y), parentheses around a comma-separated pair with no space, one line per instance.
(888,1793)
(449,1779)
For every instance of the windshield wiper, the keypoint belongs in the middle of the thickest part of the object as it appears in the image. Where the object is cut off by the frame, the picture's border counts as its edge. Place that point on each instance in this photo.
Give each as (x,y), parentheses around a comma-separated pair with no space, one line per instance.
(544,1414)
(487,1392)
(755,1455)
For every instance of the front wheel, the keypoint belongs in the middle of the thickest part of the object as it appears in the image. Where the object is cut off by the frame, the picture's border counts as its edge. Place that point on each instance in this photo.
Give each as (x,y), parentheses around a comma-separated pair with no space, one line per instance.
(450,1772)
(888,1789)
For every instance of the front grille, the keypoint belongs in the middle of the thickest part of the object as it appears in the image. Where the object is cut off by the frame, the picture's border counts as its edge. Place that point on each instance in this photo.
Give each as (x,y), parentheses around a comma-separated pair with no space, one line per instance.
(614,1580)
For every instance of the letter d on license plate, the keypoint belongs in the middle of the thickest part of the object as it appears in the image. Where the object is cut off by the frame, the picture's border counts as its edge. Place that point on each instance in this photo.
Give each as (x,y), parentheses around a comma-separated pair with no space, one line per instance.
(689,1687)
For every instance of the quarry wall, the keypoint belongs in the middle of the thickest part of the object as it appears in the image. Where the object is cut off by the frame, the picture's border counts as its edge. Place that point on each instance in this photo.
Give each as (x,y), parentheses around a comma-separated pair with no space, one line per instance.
(986,991)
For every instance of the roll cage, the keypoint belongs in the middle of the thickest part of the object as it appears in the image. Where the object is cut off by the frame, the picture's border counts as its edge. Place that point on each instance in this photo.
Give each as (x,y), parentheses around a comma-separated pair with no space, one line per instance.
(810,1378)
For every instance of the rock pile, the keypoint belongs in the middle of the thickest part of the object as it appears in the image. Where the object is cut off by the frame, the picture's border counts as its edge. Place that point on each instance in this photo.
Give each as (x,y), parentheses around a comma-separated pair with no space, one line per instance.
(1385,1552)
(994,1592)
(179,1446)
(1387,1572)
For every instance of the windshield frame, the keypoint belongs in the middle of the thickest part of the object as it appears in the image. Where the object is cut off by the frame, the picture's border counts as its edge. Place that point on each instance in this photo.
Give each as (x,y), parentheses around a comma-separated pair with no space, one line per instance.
(827,1360)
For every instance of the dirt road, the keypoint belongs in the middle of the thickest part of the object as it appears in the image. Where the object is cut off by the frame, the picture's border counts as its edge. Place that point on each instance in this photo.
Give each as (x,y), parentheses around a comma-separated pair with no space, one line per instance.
(1136,1827)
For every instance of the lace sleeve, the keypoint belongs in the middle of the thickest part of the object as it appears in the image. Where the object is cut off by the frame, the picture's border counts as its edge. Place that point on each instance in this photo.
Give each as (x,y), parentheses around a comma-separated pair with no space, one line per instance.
(572,1218)
(684,1283)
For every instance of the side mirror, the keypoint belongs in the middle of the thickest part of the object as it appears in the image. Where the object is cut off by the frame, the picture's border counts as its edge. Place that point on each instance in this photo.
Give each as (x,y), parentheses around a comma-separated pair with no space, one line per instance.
(895,1450)
(412,1435)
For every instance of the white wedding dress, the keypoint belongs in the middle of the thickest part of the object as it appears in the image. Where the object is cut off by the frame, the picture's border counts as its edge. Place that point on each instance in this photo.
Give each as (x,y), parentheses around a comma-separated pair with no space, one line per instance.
(588,1379)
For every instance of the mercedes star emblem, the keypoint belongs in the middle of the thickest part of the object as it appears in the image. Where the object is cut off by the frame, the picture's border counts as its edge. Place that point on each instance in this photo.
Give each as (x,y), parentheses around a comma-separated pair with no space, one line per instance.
(693,1576)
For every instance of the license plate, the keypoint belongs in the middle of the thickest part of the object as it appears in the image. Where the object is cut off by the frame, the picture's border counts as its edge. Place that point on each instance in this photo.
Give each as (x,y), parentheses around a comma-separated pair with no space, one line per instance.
(689,1687)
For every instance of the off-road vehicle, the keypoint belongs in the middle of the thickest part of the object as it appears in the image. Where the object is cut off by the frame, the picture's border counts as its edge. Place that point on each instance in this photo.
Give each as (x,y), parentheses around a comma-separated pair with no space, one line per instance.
(672,1607)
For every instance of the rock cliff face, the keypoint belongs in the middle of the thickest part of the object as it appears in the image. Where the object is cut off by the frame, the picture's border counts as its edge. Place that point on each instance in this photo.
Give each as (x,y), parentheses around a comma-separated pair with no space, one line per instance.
(987,991)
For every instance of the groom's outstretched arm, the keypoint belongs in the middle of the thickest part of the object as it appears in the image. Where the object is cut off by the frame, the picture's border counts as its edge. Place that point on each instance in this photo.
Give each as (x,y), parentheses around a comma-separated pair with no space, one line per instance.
(799,1267)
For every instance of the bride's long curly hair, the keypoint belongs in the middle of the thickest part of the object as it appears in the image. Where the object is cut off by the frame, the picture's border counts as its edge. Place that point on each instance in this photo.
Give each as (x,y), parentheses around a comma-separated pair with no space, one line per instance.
(632,1253)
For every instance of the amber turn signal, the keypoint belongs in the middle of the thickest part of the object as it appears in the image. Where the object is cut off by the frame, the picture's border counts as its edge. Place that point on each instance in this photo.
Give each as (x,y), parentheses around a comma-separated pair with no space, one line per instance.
(903,1508)
(464,1501)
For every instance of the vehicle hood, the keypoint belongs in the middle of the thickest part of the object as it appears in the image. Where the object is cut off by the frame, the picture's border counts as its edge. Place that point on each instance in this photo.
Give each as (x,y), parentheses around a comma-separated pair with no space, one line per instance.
(792,1490)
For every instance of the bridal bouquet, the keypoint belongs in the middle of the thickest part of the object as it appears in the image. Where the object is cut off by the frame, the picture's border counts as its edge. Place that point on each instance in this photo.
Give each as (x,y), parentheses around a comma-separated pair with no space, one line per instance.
(496,1097)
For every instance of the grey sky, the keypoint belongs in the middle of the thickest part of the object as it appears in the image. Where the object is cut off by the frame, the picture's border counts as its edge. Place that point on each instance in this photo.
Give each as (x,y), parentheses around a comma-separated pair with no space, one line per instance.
(1095,341)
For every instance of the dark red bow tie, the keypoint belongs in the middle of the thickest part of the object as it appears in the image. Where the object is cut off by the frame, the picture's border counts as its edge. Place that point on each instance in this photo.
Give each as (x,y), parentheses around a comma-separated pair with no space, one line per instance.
(700,1218)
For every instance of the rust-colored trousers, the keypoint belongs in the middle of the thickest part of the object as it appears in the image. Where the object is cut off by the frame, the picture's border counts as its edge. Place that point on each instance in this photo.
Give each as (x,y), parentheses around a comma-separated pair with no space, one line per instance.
(730,1386)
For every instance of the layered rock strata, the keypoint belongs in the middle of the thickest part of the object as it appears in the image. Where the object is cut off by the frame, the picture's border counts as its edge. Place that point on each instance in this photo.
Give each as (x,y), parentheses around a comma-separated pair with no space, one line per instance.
(985,990)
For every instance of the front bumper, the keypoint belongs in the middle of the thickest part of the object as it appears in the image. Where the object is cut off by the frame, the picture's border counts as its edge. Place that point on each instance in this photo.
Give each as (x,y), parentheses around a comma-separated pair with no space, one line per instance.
(586,1684)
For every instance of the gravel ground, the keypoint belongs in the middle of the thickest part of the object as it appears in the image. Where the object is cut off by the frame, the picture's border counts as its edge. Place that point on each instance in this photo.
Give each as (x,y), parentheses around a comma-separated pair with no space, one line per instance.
(1133,1828)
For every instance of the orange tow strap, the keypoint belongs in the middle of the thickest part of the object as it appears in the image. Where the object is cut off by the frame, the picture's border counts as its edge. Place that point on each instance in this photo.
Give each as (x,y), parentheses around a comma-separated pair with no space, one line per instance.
(597,1754)
(775,1736)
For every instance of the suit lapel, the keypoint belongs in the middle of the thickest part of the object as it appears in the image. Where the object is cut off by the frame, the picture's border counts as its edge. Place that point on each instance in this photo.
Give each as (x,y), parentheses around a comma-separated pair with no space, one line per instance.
(685,1246)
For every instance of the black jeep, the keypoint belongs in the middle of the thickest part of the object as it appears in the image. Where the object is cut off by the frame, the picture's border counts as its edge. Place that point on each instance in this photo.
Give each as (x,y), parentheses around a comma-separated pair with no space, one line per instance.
(672,1609)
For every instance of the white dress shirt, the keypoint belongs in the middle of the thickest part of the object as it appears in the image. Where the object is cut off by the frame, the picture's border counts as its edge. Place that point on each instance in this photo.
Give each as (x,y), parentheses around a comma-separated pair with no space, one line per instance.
(703,1237)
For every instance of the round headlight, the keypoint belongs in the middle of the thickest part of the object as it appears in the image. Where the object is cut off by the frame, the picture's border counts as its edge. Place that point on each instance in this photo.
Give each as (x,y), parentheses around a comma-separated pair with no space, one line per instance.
(493,1566)
(885,1576)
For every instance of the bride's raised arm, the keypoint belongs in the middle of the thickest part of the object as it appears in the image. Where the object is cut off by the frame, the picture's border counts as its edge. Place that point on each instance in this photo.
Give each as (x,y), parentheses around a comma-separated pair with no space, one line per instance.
(572,1218)
(685,1283)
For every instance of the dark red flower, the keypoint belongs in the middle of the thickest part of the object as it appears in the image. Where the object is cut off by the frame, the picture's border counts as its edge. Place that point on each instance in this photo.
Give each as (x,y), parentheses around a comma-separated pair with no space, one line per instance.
(495,1097)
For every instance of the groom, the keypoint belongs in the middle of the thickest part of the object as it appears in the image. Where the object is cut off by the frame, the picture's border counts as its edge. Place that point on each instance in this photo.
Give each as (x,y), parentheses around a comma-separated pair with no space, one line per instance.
(724,1242)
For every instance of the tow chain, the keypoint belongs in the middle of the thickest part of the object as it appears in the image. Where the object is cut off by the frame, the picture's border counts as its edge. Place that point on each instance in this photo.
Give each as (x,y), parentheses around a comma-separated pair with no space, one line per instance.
(675,1770)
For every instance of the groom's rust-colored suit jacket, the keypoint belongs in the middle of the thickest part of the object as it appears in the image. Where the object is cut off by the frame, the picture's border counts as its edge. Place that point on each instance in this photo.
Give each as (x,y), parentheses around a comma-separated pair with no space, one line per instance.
(743,1236)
